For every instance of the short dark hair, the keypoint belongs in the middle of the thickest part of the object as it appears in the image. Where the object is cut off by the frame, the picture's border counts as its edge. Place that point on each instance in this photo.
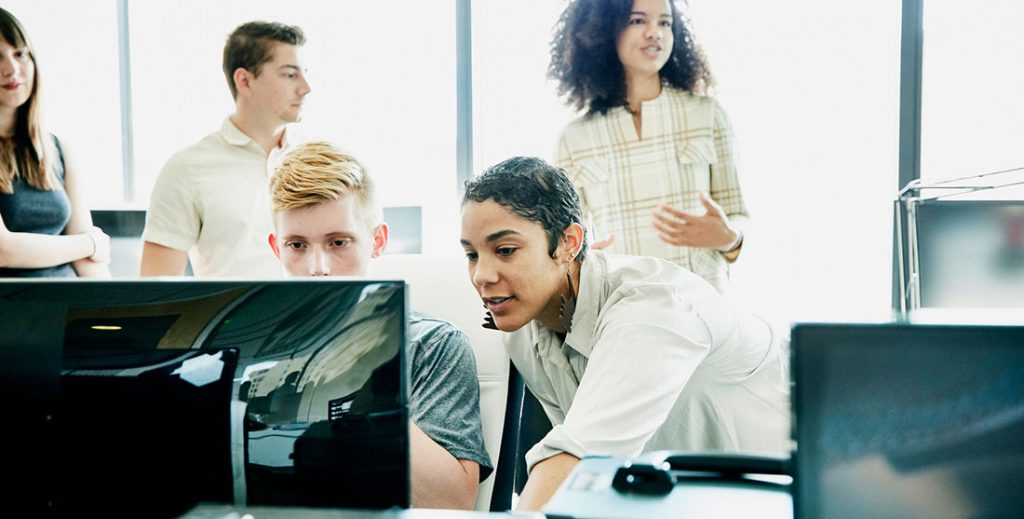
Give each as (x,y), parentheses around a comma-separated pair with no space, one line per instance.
(585,60)
(534,190)
(251,45)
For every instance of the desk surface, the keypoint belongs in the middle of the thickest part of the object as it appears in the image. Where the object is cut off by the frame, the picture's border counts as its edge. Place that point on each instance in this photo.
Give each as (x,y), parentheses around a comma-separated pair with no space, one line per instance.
(236,512)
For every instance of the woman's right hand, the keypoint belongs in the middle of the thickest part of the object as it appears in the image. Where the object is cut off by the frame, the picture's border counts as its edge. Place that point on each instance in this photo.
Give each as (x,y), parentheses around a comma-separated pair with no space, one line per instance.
(101,242)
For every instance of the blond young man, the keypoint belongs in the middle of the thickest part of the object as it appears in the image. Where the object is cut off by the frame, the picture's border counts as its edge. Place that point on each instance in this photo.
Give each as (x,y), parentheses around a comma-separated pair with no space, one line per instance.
(327,223)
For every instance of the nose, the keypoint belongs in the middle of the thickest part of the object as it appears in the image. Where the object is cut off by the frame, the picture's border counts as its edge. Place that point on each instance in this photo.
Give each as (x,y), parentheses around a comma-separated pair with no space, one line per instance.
(8,66)
(318,264)
(304,88)
(482,273)
(654,32)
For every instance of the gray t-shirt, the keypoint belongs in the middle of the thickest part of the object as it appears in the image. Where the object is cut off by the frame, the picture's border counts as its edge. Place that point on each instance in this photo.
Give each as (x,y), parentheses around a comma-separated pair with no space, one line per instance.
(444,392)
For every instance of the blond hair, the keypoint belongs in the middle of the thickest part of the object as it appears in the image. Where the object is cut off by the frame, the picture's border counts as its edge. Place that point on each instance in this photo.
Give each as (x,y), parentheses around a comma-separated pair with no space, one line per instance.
(31,153)
(317,172)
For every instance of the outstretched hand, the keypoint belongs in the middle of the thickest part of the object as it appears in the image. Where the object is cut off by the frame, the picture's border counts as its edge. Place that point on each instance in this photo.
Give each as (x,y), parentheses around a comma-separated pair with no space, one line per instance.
(603,244)
(708,231)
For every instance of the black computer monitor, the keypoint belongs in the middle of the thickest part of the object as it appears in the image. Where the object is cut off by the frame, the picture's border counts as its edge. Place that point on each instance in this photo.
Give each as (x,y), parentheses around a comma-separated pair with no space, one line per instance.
(902,420)
(253,392)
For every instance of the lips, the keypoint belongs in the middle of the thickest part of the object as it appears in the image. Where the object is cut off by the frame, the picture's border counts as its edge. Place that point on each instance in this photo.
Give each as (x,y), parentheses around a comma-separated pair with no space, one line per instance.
(11,86)
(498,304)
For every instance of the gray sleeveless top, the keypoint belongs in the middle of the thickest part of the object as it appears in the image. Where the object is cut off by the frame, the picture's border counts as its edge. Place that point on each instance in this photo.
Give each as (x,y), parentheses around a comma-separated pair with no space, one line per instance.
(28,209)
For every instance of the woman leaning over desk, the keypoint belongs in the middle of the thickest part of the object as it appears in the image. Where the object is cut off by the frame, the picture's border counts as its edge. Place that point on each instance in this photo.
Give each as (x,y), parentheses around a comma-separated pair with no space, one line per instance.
(45,227)
(652,156)
(626,354)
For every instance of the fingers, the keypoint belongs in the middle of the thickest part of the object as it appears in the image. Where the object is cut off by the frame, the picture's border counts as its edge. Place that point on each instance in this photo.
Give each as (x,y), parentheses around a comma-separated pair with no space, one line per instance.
(603,244)
(712,207)
(667,211)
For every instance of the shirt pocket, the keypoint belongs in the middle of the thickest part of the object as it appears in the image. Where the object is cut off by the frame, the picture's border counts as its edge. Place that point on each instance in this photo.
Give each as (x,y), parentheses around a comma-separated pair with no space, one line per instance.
(694,158)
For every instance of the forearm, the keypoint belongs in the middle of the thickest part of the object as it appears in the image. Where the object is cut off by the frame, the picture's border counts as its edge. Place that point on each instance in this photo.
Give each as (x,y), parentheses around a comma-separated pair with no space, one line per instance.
(33,251)
(438,479)
(545,478)
(86,268)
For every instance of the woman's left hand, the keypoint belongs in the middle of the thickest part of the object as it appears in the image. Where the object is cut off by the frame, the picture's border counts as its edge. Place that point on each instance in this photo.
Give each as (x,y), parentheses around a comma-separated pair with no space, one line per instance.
(708,231)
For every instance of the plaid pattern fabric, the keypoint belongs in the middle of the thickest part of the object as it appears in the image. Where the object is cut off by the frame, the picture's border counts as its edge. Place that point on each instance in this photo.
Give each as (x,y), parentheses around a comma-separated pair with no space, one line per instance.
(686,148)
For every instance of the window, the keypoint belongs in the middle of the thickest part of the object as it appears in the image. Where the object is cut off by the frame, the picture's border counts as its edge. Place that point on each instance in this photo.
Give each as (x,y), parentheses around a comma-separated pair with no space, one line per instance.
(816,125)
(972,110)
(813,93)
(382,79)
(77,60)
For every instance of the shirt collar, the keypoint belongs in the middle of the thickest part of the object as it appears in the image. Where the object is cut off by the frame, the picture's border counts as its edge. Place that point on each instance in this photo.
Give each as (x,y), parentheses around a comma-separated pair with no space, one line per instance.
(589,300)
(235,137)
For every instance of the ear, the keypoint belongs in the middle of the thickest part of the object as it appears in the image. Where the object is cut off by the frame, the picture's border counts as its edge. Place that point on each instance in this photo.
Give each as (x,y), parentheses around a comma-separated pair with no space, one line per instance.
(243,81)
(380,240)
(572,240)
(272,240)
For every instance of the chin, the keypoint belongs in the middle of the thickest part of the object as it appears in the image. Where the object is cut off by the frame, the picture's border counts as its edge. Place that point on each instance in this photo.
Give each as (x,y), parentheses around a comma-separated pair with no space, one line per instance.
(508,325)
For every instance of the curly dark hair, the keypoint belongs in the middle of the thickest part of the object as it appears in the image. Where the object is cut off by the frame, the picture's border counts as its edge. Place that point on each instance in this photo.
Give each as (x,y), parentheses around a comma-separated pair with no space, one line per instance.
(535,190)
(585,61)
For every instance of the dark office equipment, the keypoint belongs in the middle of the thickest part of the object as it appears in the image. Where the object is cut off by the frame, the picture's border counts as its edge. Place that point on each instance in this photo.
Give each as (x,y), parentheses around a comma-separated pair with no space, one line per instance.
(908,420)
(156,442)
(152,416)
(670,484)
(960,243)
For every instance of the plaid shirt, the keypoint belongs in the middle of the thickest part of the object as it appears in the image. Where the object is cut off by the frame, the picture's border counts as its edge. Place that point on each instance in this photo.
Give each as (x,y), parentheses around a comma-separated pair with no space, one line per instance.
(686,148)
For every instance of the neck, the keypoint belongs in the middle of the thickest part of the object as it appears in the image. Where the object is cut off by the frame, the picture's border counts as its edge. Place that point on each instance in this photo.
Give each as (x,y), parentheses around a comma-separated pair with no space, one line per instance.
(8,116)
(549,317)
(640,89)
(266,134)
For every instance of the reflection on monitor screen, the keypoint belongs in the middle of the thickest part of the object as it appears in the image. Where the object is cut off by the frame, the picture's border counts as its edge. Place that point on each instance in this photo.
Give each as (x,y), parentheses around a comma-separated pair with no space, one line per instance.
(909,421)
(309,407)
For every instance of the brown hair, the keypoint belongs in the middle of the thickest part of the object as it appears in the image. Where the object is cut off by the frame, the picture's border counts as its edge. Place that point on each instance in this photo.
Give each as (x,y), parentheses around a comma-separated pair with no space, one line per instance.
(30,152)
(251,45)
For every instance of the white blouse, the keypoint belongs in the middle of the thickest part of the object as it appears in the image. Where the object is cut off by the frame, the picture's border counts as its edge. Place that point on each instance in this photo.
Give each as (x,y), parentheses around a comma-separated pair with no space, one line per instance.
(656,359)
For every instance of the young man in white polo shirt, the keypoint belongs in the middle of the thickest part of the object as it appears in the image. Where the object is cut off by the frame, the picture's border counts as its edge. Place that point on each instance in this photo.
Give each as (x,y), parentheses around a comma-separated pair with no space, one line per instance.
(210,200)
(326,223)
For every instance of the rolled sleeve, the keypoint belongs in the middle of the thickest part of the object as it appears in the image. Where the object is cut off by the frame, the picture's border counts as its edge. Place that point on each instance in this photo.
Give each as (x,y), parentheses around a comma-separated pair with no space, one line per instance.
(173,219)
(725,183)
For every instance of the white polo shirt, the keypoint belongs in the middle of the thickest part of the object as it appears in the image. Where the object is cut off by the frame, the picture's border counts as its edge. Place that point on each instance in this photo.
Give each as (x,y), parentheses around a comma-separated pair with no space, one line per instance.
(211,199)
(656,359)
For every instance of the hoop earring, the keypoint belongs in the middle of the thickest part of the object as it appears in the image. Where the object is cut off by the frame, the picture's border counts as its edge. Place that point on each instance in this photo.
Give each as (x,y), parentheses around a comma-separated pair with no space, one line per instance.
(568,308)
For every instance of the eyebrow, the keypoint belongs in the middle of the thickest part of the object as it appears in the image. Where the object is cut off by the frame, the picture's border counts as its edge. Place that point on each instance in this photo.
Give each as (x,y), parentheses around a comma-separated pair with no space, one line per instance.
(293,67)
(642,13)
(494,236)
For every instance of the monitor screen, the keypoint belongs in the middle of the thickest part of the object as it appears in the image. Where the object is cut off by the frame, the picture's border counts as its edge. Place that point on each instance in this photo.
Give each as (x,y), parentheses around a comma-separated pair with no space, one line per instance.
(900,420)
(971,253)
(186,391)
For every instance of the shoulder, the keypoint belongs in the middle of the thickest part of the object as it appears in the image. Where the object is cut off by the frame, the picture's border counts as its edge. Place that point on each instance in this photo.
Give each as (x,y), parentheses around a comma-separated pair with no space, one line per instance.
(430,336)
(585,123)
(650,282)
(185,161)
(691,103)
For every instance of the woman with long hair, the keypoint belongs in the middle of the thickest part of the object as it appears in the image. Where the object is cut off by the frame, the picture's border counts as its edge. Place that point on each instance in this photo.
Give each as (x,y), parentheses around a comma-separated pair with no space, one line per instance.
(45,227)
(652,155)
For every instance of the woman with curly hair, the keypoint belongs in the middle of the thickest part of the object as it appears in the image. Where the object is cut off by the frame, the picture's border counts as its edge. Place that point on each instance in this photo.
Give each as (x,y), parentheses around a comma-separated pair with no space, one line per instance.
(45,228)
(652,155)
